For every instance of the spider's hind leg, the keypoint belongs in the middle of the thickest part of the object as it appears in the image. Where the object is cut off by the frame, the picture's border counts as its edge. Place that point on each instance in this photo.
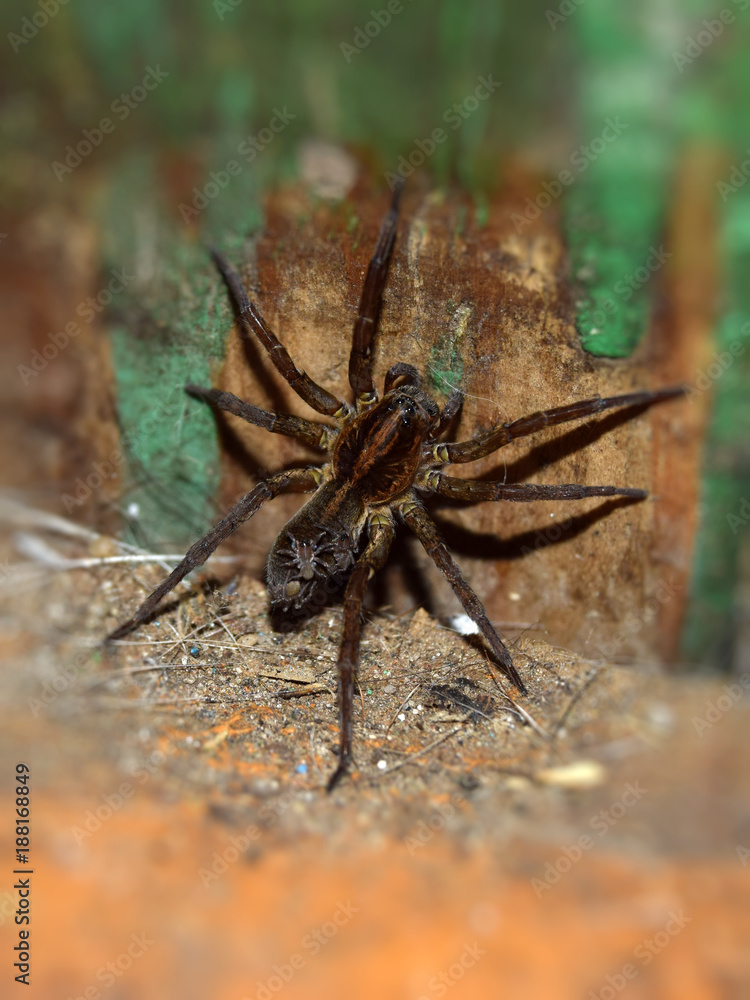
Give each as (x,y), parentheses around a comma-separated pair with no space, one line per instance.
(304,480)
(417,518)
(381,532)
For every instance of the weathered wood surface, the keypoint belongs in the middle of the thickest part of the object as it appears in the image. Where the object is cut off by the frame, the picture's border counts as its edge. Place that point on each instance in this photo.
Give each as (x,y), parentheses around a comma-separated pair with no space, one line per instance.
(482,307)
(491,311)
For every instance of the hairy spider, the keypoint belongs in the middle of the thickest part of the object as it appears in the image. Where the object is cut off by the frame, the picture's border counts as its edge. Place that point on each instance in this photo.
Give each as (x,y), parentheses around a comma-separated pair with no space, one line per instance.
(384,457)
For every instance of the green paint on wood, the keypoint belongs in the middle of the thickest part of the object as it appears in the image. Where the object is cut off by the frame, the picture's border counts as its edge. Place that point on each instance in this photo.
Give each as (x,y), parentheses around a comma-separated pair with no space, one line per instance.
(178,318)
(615,205)
(725,501)
(714,80)
(445,365)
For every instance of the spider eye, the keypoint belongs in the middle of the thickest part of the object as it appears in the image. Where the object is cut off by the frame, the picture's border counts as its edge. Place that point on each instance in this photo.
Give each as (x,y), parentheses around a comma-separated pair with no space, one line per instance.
(292,588)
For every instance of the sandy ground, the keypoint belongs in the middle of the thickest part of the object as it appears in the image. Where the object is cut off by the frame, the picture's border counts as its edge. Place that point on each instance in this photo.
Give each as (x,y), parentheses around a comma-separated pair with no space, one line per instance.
(589,840)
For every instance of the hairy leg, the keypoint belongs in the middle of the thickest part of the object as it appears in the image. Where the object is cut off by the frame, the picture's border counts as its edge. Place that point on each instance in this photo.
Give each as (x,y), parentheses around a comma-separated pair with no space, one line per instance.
(401,371)
(435,483)
(250,320)
(316,435)
(360,376)
(381,532)
(470,451)
(417,518)
(452,405)
(296,480)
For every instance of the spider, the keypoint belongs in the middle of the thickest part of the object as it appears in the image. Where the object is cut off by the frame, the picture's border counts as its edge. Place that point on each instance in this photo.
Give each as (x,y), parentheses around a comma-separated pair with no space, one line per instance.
(383,458)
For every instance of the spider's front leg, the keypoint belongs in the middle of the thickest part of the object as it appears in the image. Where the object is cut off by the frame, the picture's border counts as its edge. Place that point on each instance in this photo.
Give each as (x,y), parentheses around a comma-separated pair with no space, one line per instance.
(381,531)
(295,480)
(477,490)
(313,434)
(502,434)
(250,321)
(360,376)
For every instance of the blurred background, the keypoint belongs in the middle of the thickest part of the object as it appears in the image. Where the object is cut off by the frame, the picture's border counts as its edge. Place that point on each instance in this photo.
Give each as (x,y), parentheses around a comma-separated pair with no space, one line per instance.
(135,134)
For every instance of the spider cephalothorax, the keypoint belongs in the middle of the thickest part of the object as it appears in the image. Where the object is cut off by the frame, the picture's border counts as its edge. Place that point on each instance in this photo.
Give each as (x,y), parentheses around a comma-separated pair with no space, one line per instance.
(384,457)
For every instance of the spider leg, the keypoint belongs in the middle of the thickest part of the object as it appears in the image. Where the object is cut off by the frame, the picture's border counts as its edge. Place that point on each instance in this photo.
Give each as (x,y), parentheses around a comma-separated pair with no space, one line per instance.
(416,517)
(316,435)
(475,491)
(452,406)
(295,480)
(381,533)
(485,444)
(360,376)
(401,371)
(250,320)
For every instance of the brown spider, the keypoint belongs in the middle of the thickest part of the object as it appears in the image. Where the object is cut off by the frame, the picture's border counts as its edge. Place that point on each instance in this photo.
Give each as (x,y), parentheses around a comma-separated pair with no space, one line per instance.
(384,458)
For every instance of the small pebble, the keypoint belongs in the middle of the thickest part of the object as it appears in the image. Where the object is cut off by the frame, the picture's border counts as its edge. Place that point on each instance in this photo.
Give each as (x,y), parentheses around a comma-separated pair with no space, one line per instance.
(579,774)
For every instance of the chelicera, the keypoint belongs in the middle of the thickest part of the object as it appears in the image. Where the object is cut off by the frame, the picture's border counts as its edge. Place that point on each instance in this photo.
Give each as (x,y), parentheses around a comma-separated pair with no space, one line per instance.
(384,457)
